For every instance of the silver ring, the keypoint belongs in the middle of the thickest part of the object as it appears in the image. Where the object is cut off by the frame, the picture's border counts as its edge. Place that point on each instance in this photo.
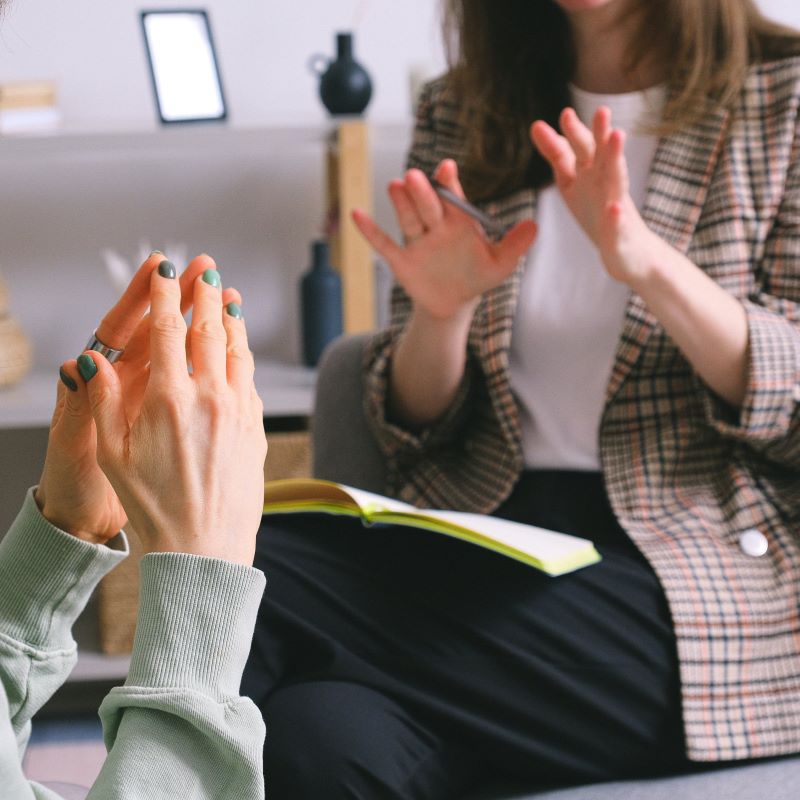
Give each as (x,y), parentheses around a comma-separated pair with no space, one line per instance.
(111,355)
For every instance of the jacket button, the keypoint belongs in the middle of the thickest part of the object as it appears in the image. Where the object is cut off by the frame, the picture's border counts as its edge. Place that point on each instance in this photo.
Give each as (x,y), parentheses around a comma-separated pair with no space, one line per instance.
(753,543)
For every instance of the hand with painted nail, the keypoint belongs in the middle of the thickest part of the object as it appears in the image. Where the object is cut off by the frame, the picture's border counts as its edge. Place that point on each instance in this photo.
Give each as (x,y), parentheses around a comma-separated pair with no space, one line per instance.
(188,466)
(73,493)
(447,262)
(591,173)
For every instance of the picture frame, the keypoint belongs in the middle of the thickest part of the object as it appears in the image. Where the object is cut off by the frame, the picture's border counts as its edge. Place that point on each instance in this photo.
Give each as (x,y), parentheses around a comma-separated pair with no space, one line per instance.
(184,69)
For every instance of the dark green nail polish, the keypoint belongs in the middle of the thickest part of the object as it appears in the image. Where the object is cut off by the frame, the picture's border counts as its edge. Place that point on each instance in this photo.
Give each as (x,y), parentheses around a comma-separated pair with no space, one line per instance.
(211,277)
(235,310)
(67,381)
(166,269)
(87,367)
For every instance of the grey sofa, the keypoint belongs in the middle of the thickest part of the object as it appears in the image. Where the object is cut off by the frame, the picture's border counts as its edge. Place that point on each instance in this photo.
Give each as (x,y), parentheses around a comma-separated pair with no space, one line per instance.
(345,451)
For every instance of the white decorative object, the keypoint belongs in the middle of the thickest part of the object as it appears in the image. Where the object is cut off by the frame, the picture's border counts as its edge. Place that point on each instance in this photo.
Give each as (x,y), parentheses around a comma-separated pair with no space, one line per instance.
(15,349)
(120,270)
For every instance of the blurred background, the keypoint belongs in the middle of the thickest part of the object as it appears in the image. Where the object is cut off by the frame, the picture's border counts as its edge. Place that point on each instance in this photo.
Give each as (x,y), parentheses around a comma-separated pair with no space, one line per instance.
(250,191)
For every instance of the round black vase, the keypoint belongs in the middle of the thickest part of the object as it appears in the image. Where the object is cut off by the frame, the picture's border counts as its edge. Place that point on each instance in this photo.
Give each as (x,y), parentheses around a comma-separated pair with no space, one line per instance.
(345,86)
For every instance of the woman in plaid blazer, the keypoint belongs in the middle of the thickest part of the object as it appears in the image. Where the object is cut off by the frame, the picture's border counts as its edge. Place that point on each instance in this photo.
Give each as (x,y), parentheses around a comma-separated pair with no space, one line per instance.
(700,439)
(684,644)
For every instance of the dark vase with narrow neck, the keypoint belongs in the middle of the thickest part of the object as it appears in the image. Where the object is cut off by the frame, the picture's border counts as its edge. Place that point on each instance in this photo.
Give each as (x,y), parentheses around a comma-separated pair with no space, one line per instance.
(345,86)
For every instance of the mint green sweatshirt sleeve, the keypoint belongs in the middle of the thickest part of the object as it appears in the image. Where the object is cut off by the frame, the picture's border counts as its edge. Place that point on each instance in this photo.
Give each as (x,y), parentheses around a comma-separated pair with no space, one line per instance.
(178,727)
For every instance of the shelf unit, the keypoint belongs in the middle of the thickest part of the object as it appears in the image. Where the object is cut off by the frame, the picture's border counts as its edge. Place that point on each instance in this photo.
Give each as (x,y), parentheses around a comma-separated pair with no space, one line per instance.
(119,165)
(287,391)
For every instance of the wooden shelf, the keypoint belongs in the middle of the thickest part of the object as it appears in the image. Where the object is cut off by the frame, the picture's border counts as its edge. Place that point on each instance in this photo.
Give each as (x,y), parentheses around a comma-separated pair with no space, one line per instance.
(186,141)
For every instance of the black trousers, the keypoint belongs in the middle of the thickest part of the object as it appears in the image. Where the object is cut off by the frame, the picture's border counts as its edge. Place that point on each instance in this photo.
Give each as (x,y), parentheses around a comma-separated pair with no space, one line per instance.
(396,663)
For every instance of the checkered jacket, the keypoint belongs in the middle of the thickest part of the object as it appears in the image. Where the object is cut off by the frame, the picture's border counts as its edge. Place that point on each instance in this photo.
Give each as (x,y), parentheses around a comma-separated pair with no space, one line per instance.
(686,475)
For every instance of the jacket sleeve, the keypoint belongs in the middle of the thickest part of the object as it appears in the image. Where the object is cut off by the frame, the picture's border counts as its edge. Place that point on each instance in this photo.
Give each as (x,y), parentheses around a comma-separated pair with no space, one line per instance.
(394,440)
(178,727)
(769,419)
(46,579)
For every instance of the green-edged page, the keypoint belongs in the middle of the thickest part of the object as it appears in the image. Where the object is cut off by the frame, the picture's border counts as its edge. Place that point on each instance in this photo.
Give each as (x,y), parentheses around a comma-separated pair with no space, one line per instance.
(549,551)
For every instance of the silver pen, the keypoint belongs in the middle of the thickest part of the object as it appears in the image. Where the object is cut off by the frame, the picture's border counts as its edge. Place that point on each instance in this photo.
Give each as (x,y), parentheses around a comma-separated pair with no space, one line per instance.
(492,227)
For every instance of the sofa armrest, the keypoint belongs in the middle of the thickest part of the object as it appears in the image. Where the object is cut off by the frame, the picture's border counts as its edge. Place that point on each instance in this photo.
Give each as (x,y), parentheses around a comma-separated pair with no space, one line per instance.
(344,447)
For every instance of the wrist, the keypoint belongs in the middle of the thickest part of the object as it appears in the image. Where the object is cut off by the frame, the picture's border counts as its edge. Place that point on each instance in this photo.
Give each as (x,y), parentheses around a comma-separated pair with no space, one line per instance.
(637,260)
(458,321)
(60,520)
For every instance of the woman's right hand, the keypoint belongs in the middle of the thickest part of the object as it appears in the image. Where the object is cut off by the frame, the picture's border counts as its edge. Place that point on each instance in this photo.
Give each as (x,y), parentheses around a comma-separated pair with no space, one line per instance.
(189,468)
(447,262)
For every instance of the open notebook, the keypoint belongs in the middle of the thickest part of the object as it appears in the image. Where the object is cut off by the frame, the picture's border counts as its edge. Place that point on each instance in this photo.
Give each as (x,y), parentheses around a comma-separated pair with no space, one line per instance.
(548,551)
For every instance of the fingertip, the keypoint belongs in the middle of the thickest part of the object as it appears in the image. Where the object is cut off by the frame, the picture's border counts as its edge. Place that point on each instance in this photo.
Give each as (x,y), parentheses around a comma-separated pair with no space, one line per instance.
(166,270)
(210,277)
(415,175)
(67,380)
(231,295)
(360,217)
(88,365)
(234,310)
(203,260)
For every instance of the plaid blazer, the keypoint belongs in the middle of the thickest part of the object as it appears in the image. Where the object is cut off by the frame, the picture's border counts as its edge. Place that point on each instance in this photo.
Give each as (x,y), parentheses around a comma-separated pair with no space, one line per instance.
(686,475)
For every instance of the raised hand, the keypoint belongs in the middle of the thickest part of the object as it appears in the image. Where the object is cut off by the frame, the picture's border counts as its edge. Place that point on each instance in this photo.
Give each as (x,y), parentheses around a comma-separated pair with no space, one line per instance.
(189,466)
(73,492)
(591,173)
(446,262)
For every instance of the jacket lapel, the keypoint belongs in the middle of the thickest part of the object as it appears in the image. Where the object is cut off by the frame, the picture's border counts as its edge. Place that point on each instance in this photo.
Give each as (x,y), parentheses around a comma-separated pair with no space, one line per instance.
(679,179)
(680,175)
(490,335)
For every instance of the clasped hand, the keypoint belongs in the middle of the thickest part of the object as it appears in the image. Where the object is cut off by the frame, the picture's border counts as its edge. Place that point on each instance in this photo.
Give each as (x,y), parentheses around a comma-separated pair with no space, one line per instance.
(180,453)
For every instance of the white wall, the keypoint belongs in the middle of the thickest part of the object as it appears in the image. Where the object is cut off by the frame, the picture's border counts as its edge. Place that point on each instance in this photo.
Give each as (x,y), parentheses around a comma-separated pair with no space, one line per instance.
(786,11)
(255,210)
(95,51)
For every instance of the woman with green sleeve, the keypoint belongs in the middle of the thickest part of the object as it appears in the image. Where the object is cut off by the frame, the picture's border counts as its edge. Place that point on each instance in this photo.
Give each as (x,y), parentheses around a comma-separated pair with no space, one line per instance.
(181,455)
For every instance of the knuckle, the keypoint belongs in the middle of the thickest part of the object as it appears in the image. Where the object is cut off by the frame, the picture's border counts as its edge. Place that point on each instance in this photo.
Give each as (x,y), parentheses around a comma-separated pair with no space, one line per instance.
(209,330)
(237,351)
(103,395)
(169,323)
(215,402)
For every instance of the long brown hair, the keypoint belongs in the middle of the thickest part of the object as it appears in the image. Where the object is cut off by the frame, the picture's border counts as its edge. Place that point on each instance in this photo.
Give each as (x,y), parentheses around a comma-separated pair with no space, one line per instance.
(511,62)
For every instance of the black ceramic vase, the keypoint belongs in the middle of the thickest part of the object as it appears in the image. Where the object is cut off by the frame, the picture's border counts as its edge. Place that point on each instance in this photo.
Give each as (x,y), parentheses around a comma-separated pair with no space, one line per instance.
(344,85)
(321,304)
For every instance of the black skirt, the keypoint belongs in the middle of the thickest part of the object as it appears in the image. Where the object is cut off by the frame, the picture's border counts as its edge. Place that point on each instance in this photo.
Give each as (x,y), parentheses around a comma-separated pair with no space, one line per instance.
(393,662)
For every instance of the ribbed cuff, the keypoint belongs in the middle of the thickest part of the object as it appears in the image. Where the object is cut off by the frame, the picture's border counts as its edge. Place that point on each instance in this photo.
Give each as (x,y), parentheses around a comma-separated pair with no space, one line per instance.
(394,439)
(47,577)
(195,624)
(773,385)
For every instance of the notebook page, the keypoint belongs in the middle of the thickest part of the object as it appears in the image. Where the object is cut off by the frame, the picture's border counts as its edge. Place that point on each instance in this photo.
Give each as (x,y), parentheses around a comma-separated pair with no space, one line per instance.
(546,545)
(369,502)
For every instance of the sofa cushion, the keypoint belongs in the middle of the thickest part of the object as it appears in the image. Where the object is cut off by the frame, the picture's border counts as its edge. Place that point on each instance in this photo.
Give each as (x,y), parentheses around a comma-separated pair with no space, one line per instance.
(777,779)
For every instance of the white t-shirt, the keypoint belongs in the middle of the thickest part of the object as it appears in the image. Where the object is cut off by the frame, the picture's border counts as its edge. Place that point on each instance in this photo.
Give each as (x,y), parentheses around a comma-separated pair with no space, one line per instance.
(570,312)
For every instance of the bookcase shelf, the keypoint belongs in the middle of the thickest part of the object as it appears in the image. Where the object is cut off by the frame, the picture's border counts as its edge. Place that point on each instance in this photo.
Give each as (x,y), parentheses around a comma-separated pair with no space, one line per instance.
(287,391)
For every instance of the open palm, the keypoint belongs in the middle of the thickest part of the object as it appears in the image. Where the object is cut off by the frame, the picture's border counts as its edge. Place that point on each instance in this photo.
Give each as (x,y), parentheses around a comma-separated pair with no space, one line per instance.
(591,172)
(447,261)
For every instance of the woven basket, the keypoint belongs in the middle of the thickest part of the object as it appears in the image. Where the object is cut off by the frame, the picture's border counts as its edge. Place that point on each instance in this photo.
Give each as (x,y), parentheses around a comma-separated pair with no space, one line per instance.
(289,457)
(15,349)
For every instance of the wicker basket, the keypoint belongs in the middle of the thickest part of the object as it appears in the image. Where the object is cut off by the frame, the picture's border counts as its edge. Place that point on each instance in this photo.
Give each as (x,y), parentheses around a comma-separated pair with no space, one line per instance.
(289,457)
(15,349)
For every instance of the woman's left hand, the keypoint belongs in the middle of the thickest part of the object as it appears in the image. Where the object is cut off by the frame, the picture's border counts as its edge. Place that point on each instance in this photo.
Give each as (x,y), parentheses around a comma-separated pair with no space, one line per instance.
(74,493)
(591,173)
